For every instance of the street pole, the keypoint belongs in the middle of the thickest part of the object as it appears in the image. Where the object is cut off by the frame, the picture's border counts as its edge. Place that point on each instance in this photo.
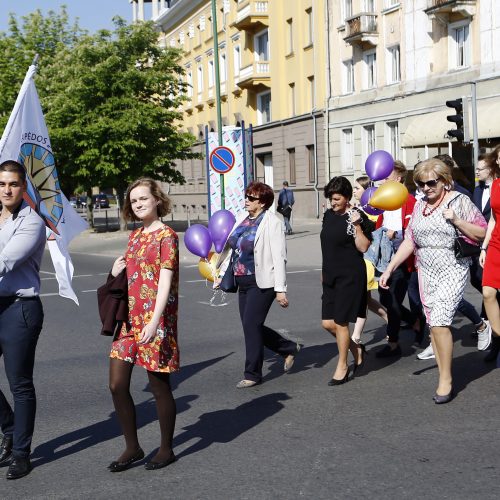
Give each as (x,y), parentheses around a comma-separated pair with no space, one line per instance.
(217,95)
(475,140)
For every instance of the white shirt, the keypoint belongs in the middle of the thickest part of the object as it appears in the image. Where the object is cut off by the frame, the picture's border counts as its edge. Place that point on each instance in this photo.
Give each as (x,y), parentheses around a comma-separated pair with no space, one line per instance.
(486,195)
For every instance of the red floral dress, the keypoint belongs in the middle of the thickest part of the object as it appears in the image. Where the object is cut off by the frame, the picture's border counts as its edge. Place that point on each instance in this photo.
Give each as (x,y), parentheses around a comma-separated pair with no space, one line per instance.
(147,254)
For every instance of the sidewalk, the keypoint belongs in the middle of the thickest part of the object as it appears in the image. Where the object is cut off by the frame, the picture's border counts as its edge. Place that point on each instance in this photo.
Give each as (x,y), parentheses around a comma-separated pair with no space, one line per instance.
(303,246)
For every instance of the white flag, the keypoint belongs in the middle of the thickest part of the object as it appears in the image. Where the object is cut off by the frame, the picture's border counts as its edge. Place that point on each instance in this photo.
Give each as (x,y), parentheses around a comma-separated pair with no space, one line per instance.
(26,140)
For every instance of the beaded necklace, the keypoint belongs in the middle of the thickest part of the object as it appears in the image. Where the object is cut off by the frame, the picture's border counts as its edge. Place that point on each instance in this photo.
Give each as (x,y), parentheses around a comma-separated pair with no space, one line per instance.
(426,213)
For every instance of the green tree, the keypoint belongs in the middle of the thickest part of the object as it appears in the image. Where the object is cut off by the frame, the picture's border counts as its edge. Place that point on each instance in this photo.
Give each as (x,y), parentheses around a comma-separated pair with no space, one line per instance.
(112,108)
(35,34)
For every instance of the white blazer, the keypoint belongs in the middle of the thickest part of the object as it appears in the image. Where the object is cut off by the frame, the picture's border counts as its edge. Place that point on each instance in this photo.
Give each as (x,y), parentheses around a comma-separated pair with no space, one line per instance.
(269,253)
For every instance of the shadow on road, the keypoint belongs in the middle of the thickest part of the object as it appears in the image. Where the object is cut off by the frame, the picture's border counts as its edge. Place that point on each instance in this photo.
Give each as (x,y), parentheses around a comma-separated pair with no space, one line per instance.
(223,426)
(99,432)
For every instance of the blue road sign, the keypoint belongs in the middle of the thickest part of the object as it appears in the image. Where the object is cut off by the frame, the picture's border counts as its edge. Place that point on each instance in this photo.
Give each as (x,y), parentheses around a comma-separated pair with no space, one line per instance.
(222,160)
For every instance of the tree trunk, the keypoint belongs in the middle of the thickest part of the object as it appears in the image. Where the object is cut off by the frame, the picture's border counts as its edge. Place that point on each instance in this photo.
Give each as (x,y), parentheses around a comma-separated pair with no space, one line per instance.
(90,209)
(120,192)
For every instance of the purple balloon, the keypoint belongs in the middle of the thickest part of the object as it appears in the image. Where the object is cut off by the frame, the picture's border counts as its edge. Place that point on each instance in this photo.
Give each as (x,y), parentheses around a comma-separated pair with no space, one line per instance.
(365,200)
(219,226)
(379,165)
(198,241)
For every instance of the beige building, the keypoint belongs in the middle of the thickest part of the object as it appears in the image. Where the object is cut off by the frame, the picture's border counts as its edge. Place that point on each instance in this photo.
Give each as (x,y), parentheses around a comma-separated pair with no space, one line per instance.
(393,66)
(272,59)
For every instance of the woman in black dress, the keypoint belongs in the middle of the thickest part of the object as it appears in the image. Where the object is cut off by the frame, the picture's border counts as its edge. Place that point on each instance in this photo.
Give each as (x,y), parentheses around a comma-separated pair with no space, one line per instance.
(345,236)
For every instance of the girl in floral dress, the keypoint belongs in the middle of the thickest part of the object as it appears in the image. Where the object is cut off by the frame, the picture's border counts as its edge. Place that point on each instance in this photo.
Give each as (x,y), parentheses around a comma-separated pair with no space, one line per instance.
(150,337)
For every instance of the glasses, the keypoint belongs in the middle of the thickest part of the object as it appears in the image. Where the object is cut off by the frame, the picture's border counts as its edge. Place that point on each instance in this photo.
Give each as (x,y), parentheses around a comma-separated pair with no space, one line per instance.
(251,198)
(481,169)
(432,183)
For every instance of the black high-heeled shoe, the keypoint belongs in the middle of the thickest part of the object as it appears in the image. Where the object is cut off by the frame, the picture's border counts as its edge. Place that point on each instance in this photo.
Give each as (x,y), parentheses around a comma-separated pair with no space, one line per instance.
(335,381)
(358,366)
(441,400)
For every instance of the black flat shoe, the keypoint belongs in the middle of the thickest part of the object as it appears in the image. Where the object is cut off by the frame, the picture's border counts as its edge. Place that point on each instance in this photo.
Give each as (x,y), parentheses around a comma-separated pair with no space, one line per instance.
(335,381)
(121,466)
(358,366)
(5,451)
(159,465)
(441,400)
(19,467)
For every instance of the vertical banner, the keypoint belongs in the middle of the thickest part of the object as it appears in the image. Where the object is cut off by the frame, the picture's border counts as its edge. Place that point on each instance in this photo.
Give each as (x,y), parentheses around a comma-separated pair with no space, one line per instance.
(236,180)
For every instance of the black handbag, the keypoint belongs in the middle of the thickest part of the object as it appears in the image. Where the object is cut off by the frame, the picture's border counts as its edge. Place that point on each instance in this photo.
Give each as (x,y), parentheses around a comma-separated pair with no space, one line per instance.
(228,283)
(462,247)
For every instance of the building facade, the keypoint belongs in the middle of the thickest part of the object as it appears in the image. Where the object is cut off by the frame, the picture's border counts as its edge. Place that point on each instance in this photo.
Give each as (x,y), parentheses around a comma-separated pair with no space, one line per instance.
(393,66)
(272,59)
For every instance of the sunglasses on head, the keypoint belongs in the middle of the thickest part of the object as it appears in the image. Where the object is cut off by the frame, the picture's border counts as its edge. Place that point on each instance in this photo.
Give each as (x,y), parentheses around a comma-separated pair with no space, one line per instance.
(432,183)
(251,198)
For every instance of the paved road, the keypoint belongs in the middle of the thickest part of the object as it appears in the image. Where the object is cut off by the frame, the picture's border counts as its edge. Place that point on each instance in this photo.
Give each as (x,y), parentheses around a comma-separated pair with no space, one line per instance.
(379,436)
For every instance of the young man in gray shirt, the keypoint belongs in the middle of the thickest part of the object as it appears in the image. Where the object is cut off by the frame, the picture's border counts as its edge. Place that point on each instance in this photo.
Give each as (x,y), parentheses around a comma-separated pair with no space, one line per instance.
(22,242)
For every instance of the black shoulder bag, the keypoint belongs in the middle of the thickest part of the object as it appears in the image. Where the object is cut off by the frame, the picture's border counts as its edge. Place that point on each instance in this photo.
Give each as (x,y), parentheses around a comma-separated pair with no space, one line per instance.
(461,246)
(228,283)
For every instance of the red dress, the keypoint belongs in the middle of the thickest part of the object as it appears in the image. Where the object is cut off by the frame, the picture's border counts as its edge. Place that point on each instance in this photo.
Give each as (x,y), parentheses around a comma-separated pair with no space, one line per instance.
(147,254)
(491,272)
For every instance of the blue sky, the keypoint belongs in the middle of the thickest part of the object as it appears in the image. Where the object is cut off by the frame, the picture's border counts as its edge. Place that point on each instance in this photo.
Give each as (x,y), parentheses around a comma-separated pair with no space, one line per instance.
(92,14)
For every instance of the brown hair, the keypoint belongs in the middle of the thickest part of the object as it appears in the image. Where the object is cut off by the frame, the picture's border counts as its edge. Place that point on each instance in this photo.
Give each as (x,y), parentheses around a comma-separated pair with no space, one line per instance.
(400,169)
(14,166)
(456,172)
(364,181)
(491,164)
(164,205)
(436,166)
(262,191)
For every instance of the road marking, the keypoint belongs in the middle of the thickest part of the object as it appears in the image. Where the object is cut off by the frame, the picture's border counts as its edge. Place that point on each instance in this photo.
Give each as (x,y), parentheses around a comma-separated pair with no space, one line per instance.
(195,281)
(87,291)
(47,272)
(296,272)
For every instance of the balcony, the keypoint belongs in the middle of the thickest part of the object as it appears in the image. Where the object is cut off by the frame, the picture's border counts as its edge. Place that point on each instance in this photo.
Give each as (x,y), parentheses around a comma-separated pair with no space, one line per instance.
(251,15)
(444,8)
(362,28)
(255,77)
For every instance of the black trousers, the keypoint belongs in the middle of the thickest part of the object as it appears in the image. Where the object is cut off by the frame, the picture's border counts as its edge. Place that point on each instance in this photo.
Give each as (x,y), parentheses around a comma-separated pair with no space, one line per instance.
(20,326)
(254,305)
(392,300)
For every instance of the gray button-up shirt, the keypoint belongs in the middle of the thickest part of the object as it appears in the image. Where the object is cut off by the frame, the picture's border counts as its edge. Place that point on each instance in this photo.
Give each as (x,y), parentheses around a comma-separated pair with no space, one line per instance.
(22,242)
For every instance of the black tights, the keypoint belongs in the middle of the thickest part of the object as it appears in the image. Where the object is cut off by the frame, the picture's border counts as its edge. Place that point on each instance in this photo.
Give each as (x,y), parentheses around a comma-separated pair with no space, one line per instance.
(120,373)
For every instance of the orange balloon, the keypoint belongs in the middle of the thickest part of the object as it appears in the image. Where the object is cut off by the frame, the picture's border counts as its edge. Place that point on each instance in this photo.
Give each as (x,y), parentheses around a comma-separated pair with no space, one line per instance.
(207,269)
(389,196)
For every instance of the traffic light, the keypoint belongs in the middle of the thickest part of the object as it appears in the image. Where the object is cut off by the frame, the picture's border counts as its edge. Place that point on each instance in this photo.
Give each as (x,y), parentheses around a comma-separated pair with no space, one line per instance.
(460,118)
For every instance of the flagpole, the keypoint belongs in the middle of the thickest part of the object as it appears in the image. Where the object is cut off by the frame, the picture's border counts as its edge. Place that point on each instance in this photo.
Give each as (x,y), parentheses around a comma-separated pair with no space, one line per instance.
(35,60)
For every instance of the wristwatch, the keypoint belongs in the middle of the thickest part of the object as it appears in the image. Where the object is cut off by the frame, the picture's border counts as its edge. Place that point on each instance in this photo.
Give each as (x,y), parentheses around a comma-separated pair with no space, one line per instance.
(484,248)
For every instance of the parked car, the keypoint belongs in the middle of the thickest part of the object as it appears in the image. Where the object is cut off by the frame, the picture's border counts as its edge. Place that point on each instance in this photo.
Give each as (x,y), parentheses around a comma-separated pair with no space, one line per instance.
(100,201)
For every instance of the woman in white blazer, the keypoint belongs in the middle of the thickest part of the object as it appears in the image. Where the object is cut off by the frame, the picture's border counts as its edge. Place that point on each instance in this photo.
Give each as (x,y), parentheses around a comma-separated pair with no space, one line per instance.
(257,244)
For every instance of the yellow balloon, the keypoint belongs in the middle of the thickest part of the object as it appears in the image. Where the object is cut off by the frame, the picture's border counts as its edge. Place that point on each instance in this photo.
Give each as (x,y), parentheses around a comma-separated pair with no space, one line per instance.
(207,269)
(389,196)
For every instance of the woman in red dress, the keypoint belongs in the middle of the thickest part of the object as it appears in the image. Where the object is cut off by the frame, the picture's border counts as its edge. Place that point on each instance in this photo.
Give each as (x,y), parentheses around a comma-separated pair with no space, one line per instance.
(490,260)
(150,337)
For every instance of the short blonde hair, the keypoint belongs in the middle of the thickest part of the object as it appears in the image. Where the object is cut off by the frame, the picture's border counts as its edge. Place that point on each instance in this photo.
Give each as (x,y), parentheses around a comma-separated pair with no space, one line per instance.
(435,166)
(164,205)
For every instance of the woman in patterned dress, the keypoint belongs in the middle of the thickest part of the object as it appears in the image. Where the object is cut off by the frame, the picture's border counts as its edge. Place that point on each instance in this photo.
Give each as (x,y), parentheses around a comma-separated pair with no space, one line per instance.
(150,337)
(431,234)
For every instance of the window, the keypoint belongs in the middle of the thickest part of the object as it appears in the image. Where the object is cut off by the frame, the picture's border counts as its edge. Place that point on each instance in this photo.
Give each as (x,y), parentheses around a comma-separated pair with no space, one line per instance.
(223,68)
(347,151)
(347,5)
(211,73)
(189,81)
(264,108)
(310,27)
(392,139)
(289,31)
(200,79)
(369,6)
(370,60)
(261,46)
(459,47)
(348,76)
(236,60)
(311,163)
(292,172)
(393,65)
(390,3)
(292,99)
(368,140)
(312,93)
